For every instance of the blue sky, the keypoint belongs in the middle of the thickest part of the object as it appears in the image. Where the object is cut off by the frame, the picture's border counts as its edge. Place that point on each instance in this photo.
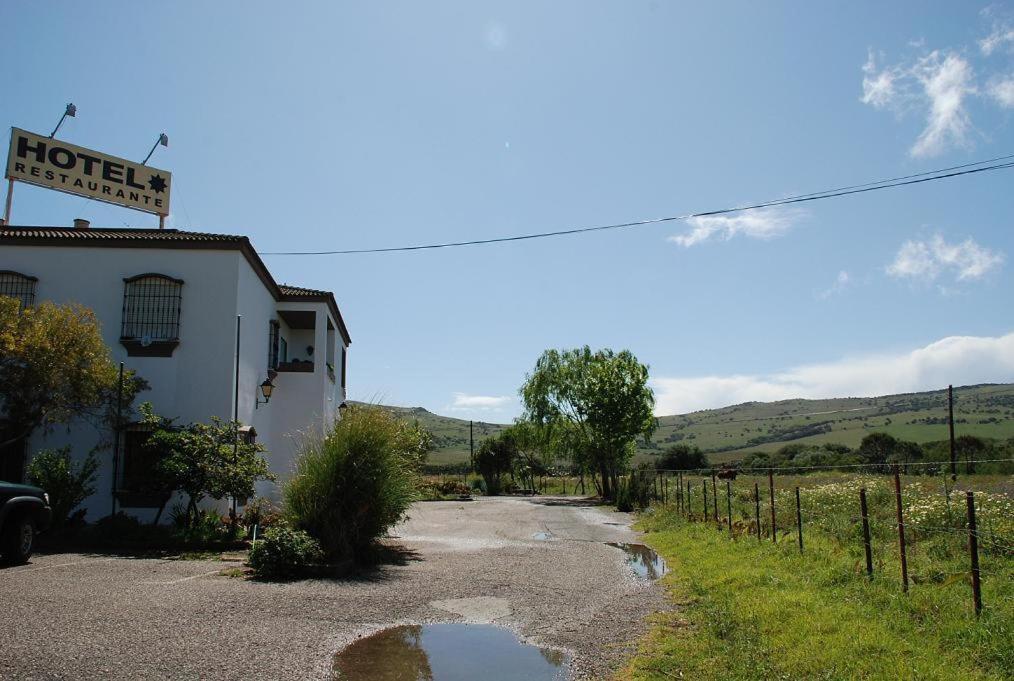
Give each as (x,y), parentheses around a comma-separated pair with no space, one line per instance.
(341,125)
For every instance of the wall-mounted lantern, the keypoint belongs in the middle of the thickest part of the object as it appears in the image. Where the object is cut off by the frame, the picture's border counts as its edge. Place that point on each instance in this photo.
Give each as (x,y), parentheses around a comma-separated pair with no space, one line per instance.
(342,408)
(266,388)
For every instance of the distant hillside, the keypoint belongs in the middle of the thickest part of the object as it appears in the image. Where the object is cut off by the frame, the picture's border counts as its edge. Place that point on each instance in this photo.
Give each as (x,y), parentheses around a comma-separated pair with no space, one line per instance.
(450,435)
(730,432)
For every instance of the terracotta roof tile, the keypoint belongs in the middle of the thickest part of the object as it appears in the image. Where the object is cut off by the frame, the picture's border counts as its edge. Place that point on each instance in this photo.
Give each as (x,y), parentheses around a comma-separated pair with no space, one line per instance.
(125,233)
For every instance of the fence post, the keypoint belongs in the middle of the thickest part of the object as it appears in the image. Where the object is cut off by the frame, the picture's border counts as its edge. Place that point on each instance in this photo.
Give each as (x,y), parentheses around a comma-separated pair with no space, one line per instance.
(714,494)
(973,552)
(799,520)
(866,532)
(728,502)
(771,486)
(756,504)
(901,530)
(704,486)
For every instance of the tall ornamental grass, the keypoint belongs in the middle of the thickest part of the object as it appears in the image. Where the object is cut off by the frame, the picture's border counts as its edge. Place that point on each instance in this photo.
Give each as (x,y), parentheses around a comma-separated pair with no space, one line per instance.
(355,481)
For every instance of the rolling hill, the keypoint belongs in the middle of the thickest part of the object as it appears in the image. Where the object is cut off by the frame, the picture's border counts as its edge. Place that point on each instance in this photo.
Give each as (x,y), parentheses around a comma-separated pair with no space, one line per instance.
(728,433)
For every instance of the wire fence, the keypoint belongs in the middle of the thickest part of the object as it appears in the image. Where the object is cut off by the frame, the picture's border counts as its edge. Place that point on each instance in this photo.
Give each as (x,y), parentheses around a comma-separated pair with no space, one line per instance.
(948,534)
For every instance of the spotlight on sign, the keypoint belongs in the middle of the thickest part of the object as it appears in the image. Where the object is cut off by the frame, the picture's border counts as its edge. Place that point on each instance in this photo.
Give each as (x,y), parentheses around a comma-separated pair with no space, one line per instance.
(163,139)
(71,111)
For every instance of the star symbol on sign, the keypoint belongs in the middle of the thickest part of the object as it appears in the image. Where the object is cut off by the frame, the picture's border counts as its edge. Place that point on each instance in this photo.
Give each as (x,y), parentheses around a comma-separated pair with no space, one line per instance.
(157,184)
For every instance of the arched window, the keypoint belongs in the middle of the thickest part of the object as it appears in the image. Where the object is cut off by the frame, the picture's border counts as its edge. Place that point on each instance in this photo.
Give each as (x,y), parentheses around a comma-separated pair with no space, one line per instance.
(19,286)
(151,314)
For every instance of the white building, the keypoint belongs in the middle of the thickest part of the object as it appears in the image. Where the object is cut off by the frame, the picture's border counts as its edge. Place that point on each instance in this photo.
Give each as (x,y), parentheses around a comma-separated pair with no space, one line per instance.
(168,303)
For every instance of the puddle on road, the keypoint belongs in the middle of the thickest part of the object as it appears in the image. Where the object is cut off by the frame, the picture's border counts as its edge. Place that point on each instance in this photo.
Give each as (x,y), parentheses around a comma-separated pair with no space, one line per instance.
(543,536)
(645,563)
(447,652)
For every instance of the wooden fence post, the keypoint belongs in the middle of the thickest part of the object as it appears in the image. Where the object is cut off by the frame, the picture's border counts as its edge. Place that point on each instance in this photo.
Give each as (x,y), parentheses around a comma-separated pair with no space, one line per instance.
(704,486)
(973,553)
(866,532)
(901,529)
(756,504)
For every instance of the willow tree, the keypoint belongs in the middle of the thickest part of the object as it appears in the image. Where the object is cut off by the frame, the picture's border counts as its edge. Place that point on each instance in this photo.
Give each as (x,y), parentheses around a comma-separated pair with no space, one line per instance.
(601,399)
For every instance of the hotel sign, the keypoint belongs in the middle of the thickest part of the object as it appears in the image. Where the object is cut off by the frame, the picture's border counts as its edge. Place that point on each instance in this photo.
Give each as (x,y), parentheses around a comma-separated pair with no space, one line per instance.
(69,168)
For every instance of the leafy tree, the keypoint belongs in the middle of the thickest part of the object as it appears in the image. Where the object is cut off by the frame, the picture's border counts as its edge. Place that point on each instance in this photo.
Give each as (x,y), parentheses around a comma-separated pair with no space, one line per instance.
(493,459)
(682,457)
(970,448)
(55,367)
(204,459)
(67,484)
(878,448)
(603,399)
(534,448)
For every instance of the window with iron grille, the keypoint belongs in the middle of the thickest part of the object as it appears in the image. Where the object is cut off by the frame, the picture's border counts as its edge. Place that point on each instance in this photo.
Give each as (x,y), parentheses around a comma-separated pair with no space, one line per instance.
(19,286)
(151,308)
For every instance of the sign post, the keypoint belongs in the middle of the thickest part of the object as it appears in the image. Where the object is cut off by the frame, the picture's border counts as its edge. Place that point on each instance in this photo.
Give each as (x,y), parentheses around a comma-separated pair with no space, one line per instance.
(65,167)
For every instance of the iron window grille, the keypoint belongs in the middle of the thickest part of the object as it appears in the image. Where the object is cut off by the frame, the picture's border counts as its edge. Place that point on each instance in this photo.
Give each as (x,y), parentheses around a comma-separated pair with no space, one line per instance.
(18,286)
(151,308)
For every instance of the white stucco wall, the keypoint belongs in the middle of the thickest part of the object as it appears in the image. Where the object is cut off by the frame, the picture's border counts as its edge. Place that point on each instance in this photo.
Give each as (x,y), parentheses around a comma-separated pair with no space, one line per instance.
(197,382)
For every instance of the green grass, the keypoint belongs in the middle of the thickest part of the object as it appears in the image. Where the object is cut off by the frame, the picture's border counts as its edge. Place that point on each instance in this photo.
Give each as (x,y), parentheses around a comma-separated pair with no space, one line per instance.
(746,609)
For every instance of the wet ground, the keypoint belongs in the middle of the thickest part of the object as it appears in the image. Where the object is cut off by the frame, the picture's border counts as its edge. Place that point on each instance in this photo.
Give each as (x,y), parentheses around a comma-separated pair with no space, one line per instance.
(448,652)
(643,560)
(574,598)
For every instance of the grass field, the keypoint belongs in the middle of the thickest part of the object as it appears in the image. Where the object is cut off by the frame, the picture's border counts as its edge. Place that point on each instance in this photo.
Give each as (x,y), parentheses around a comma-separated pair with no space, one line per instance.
(728,433)
(748,609)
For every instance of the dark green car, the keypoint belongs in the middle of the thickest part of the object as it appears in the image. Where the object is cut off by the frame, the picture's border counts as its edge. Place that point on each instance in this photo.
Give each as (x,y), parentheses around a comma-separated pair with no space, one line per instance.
(24,511)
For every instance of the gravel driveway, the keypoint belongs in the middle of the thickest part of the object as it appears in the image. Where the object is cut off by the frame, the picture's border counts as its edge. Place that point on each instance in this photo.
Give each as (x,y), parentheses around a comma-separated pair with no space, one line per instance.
(72,616)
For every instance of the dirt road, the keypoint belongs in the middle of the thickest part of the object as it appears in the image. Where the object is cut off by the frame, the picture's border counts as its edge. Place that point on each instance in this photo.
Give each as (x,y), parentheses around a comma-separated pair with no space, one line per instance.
(540,567)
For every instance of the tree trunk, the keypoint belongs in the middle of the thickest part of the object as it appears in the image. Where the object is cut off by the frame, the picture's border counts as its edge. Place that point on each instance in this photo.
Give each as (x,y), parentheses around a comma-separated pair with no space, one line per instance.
(607,492)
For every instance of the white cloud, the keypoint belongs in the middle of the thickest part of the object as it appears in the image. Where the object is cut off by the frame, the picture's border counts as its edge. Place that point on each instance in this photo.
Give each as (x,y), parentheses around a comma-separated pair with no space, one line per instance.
(1001,35)
(760,223)
(947,80)
(841,283)
(960,360)
(927,260)
(465,402)
(1002,91)
(878,86)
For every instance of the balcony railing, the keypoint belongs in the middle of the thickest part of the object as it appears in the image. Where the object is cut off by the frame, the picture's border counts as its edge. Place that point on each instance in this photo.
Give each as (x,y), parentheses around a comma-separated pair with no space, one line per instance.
(295,366)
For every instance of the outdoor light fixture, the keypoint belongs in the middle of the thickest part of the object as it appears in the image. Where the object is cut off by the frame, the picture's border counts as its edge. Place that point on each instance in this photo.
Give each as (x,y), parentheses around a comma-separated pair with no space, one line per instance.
(71,111)
(342,408)
(163,139)
(267,387)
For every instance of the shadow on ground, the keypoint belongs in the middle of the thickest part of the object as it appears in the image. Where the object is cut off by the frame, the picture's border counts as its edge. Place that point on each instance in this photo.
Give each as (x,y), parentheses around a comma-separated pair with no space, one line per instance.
(576,502)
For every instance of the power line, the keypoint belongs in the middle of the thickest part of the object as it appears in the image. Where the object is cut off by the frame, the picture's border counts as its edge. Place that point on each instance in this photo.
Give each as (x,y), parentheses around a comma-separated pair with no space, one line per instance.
(903,180)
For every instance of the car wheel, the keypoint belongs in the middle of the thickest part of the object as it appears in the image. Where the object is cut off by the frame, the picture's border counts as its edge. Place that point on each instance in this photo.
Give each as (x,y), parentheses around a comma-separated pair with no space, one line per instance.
(18,540)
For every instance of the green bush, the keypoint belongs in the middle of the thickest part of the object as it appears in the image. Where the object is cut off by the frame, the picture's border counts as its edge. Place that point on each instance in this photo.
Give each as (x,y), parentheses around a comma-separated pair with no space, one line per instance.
(635,491)
(208,528)
(66,483)
(355,482)
(284,553)
(262,513)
